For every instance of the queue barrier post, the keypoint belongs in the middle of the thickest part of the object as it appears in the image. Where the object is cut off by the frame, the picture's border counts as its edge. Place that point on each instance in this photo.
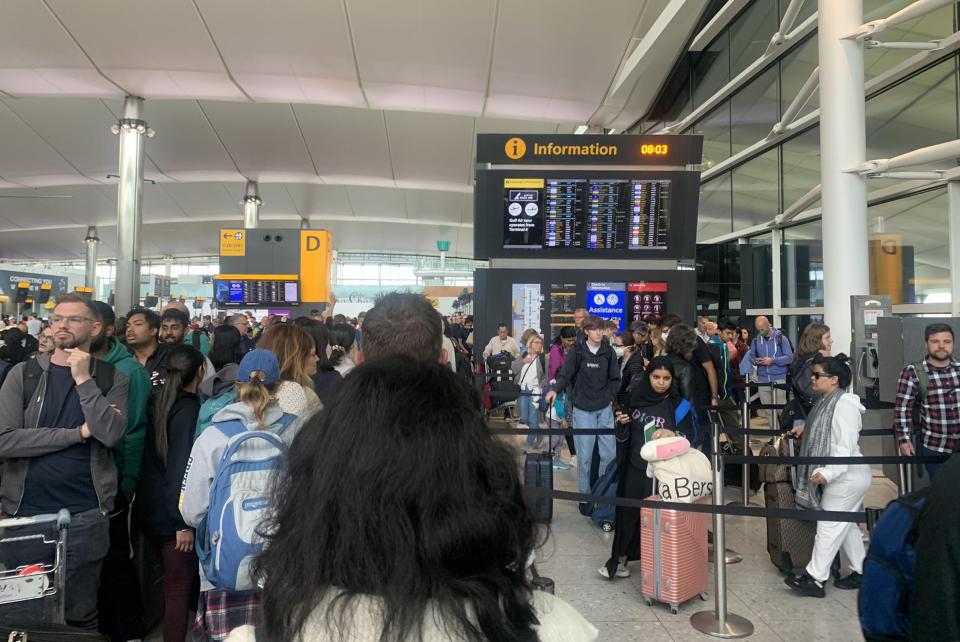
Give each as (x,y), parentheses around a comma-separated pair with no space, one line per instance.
(719,623)
(745,422)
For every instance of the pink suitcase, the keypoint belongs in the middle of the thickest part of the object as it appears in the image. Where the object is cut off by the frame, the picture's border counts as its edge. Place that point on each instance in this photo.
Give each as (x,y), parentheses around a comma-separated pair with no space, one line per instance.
(673,555)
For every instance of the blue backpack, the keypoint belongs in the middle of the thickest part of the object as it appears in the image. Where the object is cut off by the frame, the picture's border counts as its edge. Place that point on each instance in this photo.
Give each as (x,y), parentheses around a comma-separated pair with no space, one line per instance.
(884,600)
(227,538)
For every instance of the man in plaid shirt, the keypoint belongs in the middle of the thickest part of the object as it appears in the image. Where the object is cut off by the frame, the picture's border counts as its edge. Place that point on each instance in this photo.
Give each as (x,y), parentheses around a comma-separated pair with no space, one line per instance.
(940,410)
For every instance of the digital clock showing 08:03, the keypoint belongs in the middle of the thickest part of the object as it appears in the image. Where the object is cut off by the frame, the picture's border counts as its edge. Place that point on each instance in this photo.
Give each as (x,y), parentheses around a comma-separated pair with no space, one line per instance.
(659,149)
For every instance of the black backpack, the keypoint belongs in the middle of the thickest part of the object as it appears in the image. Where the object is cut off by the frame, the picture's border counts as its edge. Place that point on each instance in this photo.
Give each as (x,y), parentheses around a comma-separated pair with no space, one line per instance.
(101,371)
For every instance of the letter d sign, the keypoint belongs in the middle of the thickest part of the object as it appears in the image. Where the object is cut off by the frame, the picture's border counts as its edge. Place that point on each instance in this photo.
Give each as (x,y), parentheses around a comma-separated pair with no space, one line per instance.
(312,244)
(316,255)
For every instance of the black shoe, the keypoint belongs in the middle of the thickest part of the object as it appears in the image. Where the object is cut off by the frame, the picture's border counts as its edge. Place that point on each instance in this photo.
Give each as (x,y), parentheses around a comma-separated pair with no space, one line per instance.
(850,582)
(806,586)
(585,509)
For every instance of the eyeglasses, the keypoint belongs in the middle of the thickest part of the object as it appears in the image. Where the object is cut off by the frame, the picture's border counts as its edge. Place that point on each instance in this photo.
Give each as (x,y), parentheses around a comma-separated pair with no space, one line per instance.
(75,320)
(821,375)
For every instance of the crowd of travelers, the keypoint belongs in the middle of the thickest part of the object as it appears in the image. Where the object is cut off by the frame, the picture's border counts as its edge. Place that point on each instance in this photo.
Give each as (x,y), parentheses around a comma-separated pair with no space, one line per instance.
(328,478)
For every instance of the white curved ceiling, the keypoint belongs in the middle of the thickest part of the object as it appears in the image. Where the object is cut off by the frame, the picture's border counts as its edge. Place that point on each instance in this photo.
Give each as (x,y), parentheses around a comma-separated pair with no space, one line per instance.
(358,115)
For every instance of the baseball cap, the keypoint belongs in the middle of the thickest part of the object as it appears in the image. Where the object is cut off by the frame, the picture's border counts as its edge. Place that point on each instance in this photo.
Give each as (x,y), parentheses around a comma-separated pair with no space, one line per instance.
(262,360)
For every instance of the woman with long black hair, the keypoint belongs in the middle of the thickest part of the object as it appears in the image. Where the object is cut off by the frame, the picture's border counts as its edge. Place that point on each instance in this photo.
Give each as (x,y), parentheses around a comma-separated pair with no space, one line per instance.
(166,451)
(652,413)
(326,378)
(416,527)
(226,347)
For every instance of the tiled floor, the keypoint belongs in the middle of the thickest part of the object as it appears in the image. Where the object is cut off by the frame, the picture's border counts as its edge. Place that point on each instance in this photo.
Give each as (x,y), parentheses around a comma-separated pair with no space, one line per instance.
(755,589)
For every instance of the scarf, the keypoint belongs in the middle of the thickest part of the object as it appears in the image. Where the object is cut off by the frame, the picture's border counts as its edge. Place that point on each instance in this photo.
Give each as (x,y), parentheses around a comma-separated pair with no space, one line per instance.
(642,393)
(816,443)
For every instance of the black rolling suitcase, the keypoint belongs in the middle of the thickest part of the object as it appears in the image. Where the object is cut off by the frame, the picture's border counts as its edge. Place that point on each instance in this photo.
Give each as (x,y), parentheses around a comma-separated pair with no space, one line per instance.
(51,633)
(538,473)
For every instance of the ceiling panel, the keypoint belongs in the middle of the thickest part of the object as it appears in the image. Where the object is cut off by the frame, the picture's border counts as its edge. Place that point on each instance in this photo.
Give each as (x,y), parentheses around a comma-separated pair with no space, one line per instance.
(25,154)
(439,206)
(78,128)
(38,58)
(85,205)
(425,54)
(431,148)
(301,53)
(155,49)
(346,144)
(263,139)
(377,201)
(555,59)
(185,146)
(317,200)
(204,200)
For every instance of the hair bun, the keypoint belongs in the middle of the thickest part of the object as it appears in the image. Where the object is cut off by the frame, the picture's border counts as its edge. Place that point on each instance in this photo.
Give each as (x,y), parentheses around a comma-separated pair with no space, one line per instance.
(842,358)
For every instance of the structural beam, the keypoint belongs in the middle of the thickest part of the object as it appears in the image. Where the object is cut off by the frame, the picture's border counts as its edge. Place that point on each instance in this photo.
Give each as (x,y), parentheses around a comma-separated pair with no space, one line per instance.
(251,206)
(842,145)
(932,154)
(92,243)
(911,11)
(131,129)
(953,227)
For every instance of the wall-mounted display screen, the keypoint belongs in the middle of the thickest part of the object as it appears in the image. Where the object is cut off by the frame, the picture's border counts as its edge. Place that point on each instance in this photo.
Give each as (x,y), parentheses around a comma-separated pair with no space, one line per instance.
(593,214)
(646,299)
(256,290)
(586,214)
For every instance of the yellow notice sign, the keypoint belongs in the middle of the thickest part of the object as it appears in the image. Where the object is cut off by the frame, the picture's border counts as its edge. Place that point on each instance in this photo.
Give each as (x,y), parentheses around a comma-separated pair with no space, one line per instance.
(233,242)
(316,258)
(523,183)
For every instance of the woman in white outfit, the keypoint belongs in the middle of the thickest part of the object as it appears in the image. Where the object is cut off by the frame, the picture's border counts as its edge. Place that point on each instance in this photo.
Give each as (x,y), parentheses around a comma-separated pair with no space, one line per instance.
(832,429)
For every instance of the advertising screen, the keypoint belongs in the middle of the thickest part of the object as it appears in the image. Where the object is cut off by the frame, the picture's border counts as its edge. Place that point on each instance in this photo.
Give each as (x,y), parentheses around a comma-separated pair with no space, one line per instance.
(607,301)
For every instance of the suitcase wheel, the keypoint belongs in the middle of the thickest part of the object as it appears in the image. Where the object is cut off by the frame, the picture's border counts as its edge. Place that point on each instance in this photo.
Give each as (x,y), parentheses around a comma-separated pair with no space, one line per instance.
(607,527)
(674,609)
(648,601)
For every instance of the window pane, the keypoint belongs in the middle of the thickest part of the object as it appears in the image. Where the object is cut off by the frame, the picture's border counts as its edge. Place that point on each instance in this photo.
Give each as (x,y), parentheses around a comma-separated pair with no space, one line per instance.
(715,129)
(711,70)
(801,260)
(933,26)
(756,190)
(909,259)
(796,67)
(755,110)
(756,272)
(715,217)
(793,325)
(751,33)
(918,112)
(801,166)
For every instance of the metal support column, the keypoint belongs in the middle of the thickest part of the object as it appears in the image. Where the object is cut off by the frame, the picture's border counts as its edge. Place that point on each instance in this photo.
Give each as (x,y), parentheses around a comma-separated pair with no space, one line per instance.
(92,241)
(953,226)
(251,206)
(776,241)
(842,147)
(131,130)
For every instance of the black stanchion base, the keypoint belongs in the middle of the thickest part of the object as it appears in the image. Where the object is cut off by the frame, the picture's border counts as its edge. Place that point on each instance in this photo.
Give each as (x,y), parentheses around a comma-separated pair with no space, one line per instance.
(734,626)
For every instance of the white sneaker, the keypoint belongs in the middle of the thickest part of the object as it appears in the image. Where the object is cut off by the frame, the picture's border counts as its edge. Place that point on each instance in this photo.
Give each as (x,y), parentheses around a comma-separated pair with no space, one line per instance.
(622,571)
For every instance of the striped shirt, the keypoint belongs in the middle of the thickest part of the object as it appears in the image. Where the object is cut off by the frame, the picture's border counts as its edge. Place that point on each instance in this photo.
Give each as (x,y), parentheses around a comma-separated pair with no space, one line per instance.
(939,413)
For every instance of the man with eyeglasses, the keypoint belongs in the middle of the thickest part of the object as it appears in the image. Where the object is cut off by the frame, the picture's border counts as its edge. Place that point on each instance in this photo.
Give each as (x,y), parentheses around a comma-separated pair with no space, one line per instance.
(61,413)
(242,323)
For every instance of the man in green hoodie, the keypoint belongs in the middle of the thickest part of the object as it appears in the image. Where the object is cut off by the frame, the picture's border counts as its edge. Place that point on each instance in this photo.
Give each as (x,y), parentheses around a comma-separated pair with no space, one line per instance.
(119,601)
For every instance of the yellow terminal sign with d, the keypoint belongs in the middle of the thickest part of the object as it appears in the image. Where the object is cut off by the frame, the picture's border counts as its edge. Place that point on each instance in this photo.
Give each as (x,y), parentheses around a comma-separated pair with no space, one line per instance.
(316,259)
(233,242)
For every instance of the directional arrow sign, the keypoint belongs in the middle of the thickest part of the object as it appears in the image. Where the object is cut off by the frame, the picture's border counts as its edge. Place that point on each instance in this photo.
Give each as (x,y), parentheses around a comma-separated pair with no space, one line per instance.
(233,242)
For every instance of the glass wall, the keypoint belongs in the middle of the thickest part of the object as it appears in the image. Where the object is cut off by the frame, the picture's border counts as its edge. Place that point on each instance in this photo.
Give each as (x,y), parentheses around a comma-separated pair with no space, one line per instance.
(908,247)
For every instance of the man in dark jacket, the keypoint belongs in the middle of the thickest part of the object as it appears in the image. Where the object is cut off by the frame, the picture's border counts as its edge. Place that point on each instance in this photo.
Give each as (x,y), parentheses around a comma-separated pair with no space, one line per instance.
(591,376)
(935,602)
(59,448)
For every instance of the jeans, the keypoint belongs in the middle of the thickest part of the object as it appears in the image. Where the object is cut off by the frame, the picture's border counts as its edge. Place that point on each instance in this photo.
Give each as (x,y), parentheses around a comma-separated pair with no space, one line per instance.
(608,448)
(88,540)
(530,415)
(932,469)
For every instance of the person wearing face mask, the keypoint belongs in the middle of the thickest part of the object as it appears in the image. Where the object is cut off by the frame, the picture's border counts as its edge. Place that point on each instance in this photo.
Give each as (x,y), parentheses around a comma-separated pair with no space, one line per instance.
(649,413)
(770,355)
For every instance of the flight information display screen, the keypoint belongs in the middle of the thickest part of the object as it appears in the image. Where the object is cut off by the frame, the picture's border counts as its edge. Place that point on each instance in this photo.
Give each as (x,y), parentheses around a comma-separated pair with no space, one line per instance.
(586,213)
(251,292)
